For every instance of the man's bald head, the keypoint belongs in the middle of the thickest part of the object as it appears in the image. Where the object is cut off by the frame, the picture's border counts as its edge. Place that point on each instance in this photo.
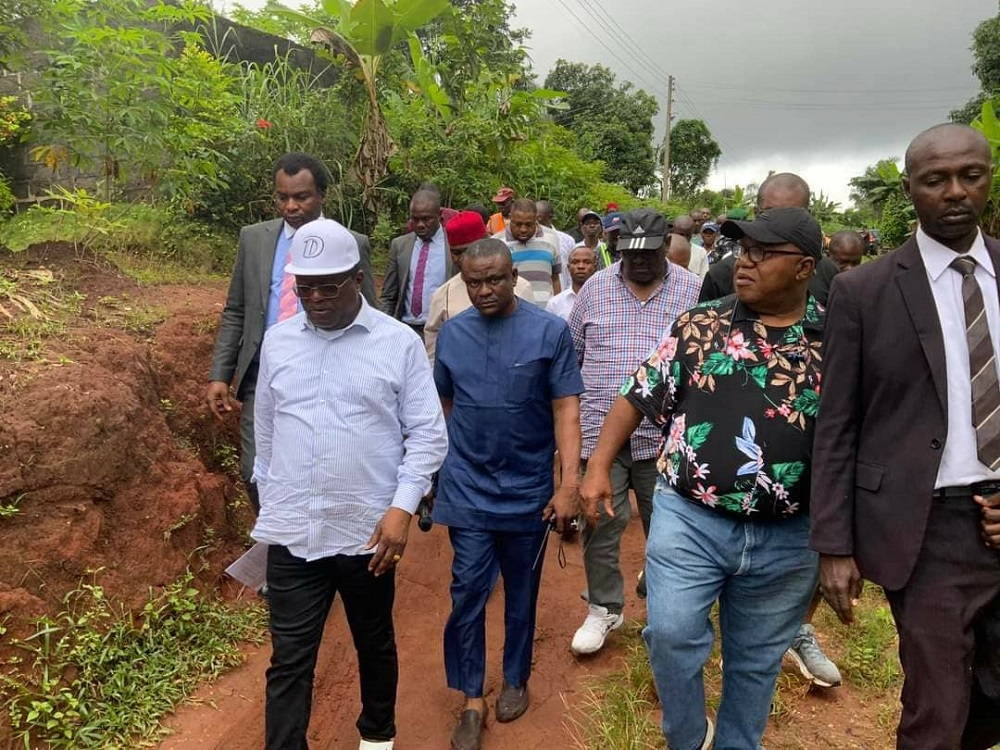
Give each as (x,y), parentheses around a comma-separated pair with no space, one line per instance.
(783,190)
(945,133)
(683,226)
(543,213)
(949,170)
(679,251)
(846,249)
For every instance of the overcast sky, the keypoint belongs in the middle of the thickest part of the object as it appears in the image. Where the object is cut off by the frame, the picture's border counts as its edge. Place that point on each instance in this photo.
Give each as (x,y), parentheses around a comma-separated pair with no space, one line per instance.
(819,88)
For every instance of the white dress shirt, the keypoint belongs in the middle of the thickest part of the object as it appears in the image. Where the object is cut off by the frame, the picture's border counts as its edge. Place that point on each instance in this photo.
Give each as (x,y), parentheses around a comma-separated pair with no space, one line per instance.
(566,245)
(959,465)
(562,303)
(347,424)
(699,261)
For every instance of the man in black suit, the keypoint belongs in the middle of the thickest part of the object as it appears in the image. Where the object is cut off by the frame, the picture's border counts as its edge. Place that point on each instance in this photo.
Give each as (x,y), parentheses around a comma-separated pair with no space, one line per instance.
(255,293)
(419,262)
(782,190)
(905,484)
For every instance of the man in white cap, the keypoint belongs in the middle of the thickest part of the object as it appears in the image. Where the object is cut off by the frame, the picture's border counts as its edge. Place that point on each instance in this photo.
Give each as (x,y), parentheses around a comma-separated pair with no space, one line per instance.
(349,432)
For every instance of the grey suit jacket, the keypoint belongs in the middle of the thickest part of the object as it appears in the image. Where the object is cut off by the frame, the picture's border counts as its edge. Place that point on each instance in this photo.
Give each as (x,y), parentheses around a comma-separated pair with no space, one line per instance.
(883,415)
(242,328)
(397,273)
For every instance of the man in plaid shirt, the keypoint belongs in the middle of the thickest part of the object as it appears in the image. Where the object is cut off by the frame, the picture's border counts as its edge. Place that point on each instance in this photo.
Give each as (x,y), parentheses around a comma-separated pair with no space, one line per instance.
(618,319)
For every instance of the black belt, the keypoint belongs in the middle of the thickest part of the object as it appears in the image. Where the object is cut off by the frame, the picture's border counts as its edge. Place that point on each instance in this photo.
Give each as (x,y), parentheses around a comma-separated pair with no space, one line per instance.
(968,490)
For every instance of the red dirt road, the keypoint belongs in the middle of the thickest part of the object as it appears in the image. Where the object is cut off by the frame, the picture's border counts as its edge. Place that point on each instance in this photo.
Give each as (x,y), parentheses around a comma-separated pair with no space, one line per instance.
(229,714)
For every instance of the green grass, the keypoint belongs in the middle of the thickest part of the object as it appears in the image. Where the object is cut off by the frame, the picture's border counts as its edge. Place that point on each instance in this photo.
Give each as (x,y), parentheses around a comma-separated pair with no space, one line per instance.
(98,676)
(869,652)
(150,244)
(619,710)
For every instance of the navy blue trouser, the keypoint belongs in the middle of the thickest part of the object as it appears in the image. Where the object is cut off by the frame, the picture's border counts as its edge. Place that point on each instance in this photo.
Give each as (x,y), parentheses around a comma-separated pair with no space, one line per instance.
(300,596)
(479,558)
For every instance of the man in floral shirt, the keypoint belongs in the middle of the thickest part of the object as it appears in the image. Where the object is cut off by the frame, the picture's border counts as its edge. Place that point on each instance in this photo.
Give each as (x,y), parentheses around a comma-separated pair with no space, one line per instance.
(735,387)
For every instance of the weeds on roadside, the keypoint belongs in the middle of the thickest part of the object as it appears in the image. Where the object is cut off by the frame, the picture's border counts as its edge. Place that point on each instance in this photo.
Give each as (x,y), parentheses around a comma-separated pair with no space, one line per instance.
(870,657)
(102,677)
(9,509)
(619,710)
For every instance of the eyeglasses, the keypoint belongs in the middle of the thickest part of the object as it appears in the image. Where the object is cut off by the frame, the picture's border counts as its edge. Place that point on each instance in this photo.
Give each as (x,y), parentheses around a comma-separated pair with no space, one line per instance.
(759,253)
(326,291)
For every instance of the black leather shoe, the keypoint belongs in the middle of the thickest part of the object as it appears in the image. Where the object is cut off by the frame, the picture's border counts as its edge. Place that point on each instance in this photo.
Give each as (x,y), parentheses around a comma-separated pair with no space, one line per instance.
(469,730)
(512,702)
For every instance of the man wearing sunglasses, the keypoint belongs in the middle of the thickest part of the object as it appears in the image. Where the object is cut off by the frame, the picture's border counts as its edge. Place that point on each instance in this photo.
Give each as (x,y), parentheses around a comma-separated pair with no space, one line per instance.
(734,386)
(349,433)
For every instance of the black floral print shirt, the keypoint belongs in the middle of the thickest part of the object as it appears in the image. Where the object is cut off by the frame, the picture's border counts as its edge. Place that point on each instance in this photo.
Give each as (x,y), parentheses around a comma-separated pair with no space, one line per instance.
(737,403)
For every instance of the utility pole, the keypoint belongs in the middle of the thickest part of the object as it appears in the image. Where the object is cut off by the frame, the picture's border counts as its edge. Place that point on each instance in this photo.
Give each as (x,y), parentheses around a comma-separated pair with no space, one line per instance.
(665,187)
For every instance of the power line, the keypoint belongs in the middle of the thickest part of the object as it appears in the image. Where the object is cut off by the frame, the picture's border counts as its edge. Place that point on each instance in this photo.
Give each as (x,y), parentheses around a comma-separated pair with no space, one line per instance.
(586,27)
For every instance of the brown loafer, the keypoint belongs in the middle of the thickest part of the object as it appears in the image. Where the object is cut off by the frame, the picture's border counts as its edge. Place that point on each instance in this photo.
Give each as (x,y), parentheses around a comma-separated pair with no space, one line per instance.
(469,731)
(512,702)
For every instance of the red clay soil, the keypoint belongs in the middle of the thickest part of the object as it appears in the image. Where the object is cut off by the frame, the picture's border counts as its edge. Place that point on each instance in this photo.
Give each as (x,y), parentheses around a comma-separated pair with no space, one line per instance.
(118,467)
(228,716)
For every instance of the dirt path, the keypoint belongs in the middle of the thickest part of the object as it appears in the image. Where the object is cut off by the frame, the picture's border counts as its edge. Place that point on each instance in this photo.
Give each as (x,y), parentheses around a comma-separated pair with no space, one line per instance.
(229,714)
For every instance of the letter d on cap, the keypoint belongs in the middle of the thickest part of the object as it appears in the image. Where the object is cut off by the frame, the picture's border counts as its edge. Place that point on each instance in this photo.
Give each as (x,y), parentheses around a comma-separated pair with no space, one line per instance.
(312,247)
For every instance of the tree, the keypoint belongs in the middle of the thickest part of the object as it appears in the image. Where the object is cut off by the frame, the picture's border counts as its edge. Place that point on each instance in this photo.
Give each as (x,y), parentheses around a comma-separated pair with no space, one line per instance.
(472,37)
(362,34)
(693,153)
(986,67)
(880,182)
(823,209)
(613,122)
(127,94)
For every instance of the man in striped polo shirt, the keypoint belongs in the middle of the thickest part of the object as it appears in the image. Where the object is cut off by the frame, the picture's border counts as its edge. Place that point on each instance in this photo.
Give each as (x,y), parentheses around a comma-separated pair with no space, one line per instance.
(535,250)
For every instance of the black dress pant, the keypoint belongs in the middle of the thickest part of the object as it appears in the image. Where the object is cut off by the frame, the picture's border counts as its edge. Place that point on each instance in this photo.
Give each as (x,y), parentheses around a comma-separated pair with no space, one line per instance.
(955,580)
(300,596)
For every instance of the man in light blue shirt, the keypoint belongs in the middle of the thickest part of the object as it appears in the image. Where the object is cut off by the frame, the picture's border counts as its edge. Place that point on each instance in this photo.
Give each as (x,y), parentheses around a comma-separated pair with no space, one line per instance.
(349,432)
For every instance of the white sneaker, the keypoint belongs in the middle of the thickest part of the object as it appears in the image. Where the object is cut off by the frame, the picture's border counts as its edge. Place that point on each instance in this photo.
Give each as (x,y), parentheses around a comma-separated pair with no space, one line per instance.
(376,745)
(709,735)
(590,637)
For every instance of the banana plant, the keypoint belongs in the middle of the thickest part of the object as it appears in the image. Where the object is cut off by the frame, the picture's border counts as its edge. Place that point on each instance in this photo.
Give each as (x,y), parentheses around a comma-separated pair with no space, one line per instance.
(361,34)
(989,125)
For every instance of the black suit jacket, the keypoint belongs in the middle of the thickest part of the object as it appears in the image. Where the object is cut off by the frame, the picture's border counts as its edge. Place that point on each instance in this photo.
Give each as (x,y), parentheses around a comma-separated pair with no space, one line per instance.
(242,328)
(882,417)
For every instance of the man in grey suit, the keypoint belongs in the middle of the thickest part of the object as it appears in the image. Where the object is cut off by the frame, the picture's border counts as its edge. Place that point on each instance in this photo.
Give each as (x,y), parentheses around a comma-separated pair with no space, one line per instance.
(255,293)
(411,278)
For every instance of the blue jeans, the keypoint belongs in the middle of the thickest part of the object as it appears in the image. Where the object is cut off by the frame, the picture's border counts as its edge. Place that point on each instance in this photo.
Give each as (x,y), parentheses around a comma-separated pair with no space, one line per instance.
(763,575)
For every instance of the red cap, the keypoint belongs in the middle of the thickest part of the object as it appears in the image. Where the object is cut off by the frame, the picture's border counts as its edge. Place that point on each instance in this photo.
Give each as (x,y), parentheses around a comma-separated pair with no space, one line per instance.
(465,228)
(503,195)
(610,207)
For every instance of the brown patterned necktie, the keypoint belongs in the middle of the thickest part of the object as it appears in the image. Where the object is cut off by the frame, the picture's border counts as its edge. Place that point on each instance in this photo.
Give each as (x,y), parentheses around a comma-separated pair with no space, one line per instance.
(982,366)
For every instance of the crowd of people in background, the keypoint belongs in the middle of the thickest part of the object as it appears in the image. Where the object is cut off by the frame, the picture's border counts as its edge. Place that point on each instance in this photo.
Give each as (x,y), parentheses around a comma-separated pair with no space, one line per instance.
(788,418)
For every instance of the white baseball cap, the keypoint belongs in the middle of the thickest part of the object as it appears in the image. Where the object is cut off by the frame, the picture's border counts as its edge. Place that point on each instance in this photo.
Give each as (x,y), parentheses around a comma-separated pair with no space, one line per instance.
(322,247)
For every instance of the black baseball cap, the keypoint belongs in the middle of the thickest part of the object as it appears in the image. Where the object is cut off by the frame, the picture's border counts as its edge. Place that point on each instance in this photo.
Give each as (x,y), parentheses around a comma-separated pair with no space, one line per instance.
(778,226)
(642,229)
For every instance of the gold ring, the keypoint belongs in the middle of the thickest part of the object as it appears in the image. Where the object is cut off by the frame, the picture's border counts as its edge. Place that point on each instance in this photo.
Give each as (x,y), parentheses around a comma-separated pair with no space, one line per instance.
(397,558)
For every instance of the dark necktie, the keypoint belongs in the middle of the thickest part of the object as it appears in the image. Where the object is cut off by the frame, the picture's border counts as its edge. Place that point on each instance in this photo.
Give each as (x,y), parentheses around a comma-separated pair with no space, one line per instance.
(982,366)
(417,303)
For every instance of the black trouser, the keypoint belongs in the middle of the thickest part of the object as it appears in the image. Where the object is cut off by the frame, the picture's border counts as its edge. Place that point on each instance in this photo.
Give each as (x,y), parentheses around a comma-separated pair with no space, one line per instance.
(955,579)
(301,594)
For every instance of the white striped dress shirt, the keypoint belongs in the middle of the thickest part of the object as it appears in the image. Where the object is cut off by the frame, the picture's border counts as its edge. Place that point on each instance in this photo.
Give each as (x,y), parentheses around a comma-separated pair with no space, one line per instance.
(347,424)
